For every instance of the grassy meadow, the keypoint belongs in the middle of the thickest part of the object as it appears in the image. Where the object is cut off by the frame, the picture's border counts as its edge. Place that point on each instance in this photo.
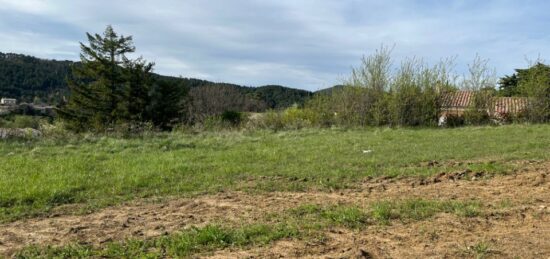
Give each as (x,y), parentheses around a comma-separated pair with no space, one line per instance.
(94,172)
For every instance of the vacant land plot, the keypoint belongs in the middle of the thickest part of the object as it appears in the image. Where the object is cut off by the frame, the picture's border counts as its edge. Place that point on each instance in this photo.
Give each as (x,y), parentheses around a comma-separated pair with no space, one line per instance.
(469,192)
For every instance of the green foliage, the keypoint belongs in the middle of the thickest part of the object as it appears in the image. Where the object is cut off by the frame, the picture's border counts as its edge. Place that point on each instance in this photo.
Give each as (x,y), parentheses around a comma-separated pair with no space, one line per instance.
(112,92)
(166,104)
(508,85)
(478,112)
(32,79)
(375,95)
(291,118)
(22,121)
(512,85)
(453,121)
(106,83)
(535,84)
(414,96)
(279,97)
(210,101)
(232,117)
(25,77)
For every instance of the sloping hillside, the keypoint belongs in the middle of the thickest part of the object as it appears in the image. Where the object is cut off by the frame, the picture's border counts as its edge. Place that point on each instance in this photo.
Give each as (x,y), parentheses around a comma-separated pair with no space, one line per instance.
(26,78)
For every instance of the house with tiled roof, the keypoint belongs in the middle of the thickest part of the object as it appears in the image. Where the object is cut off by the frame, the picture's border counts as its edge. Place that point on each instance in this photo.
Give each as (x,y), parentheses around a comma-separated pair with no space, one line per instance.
(457,103)
(509,105)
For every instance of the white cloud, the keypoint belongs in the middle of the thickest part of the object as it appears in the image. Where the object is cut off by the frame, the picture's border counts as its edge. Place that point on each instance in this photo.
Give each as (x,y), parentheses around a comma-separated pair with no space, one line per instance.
(308,44)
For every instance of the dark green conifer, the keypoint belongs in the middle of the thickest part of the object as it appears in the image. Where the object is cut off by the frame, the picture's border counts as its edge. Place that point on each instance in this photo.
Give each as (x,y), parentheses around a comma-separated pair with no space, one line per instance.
(106,87)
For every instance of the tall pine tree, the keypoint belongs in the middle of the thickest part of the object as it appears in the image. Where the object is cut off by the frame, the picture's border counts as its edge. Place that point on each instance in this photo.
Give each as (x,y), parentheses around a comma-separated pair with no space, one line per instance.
(107,87)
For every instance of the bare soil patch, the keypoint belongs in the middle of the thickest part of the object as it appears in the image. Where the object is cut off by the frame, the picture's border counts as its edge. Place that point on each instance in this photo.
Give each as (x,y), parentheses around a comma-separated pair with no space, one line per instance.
(518,223)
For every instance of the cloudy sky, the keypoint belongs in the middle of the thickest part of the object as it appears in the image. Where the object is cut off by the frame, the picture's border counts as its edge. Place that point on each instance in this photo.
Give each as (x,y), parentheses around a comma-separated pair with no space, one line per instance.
(309,44)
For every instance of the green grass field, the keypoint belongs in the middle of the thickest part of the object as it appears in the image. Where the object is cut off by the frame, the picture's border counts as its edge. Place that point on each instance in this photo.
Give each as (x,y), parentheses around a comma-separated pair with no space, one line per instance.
(36,176)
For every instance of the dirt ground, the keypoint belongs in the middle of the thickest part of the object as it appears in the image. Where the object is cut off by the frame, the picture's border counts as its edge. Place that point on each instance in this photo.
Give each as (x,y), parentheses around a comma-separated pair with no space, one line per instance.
(520,229)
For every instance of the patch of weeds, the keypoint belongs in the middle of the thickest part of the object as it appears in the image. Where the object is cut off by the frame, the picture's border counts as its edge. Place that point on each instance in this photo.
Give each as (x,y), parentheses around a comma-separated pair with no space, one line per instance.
(60,197)
(382,212)
(6,202)
(417,209)
(306,209)
(70,251)
(194,240)
(350,217)
(504,204)
(479,251)
(492,167)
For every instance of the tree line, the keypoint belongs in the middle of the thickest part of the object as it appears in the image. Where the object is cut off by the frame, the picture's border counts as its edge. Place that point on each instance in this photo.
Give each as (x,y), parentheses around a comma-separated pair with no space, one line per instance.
(107,90)
(40,81)
(110,89)
(382,93)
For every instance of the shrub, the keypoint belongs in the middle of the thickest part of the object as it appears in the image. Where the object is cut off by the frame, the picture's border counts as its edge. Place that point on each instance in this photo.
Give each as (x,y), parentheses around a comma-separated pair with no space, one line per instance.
(21,122)
(232,117)
(376,95)
(454,120)
(535,84)
(55,130)
(476,117)
(290,118)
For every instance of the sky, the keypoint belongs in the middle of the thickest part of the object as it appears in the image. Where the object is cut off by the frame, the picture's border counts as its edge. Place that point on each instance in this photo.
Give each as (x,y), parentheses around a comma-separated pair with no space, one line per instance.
(307,44)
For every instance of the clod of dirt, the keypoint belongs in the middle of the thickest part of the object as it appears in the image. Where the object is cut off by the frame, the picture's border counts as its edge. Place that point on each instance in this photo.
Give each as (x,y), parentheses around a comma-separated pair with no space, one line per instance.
(362,254)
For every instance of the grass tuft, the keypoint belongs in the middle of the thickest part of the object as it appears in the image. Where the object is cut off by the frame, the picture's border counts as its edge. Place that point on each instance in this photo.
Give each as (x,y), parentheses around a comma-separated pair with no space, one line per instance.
(418,209)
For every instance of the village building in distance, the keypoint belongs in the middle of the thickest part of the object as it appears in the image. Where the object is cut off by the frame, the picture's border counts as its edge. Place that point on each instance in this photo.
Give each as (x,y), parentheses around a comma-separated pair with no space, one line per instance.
(10,106)
(8,101)
(457,103)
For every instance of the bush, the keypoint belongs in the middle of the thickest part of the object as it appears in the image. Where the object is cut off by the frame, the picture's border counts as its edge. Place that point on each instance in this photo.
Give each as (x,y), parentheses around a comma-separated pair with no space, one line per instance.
(56,130)
(219,122)
(376,95)
(535,84)
(21,122)
(476,117)
(454,120)
(232,117)
(290,118)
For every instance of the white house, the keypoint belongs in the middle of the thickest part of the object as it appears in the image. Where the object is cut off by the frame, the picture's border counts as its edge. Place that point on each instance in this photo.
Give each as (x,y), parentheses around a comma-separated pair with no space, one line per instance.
(8,101)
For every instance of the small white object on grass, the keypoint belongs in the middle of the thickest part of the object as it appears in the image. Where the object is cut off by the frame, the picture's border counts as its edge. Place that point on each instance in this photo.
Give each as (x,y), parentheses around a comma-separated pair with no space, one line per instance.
(367,151)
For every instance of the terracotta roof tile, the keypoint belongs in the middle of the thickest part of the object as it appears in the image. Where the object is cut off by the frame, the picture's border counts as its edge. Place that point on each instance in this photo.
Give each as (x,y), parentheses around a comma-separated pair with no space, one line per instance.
(463,99)
(510,104)
(458,99)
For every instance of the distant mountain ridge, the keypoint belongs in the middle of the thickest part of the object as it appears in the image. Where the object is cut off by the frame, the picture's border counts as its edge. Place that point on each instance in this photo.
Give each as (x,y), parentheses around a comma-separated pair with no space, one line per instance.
(29,79)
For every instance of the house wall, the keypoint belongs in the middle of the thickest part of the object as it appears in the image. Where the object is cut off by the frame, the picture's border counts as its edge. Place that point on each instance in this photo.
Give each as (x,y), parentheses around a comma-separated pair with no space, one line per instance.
(452,111)
(7,101)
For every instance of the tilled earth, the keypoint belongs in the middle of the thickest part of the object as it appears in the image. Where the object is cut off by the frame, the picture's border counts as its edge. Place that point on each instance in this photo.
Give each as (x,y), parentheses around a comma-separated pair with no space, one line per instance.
(519,229)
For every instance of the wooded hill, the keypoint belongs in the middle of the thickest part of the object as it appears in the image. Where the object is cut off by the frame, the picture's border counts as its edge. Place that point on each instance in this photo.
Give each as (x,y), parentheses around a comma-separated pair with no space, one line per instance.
(31,79)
